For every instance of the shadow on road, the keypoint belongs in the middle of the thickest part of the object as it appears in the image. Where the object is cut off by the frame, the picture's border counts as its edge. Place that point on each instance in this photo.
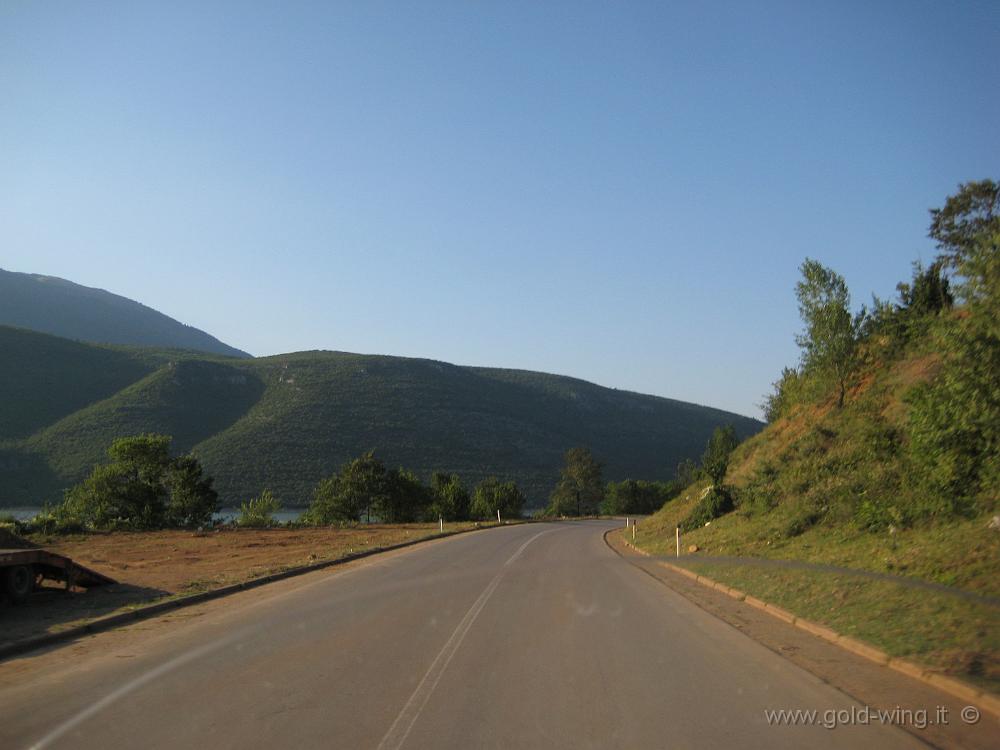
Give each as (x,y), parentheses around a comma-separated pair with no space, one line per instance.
(52,609)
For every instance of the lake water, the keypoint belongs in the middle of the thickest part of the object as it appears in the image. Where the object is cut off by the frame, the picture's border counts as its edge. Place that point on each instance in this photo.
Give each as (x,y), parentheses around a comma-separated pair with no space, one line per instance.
(226,514)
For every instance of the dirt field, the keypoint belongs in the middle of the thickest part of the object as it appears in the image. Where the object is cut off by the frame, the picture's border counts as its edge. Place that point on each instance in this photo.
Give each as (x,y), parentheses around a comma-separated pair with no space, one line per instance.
(152,566)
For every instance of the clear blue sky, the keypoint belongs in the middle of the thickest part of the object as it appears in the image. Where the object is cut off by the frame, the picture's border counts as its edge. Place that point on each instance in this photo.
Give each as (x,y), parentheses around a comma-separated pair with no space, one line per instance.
(618,191)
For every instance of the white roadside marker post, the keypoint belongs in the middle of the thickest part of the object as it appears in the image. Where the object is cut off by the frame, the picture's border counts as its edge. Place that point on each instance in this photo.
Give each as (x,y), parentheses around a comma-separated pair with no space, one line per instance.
(498,516)
(441,523)
(633,531)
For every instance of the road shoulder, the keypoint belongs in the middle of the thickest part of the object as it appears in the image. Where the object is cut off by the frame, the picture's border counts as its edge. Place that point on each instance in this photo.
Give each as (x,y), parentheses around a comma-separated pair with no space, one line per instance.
(869,683)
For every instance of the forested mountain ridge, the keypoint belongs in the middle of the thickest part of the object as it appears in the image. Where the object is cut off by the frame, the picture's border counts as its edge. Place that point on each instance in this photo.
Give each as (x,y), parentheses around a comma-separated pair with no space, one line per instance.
(62,308)
(285,422)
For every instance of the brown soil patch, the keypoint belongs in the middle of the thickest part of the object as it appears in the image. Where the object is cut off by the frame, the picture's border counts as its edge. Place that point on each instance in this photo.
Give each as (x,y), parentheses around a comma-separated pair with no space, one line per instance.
(156,565)
(181,561)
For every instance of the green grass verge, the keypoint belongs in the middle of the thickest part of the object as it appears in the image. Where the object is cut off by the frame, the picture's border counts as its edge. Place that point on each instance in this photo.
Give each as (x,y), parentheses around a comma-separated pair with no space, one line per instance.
(963,553)
(947,633)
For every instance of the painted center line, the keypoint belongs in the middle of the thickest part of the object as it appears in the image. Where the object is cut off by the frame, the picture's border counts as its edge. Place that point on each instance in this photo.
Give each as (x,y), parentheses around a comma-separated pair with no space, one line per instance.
(408,716)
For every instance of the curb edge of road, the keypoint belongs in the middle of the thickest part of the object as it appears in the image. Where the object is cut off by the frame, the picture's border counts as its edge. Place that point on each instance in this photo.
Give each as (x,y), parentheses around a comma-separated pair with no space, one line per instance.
(143,613)
(950,685)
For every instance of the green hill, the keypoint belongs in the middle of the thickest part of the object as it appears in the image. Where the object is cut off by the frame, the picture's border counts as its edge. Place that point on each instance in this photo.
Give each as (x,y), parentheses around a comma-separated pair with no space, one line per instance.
(44,378)
(62,308)
(869,501)
(284,422)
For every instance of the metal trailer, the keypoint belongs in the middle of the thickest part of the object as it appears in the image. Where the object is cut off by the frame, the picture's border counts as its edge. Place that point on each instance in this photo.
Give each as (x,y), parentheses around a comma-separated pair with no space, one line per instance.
(23,570)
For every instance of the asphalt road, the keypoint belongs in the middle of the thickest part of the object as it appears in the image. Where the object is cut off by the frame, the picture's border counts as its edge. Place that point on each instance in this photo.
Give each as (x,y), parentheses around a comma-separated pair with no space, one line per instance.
(534,636)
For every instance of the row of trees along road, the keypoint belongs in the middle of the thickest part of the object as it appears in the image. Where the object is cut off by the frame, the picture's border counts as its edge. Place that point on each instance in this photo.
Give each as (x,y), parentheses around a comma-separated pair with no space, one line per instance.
(144,487)
(581,490)
(365,489)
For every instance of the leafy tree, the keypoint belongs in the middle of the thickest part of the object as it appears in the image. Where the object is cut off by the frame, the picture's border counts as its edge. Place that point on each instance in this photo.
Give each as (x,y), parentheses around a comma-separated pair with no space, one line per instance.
(143,488)
(921,301)
(955,419)
(715,461)
(259,511)
(686,472)
(929,292)
(405,498)
(329,505)
(777,403)
(580,488)
(147,455)
(361,486)
(114,497)
(968,216)
(830,341)
(636,497)
(192,501)
(491,495)
(620,498)
(449,498)
(715,501)
(366,482)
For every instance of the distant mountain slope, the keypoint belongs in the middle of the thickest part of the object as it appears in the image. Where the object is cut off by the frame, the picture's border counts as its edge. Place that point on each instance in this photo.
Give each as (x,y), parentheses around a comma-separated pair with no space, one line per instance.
(62,308)
(284,422)
(45,378)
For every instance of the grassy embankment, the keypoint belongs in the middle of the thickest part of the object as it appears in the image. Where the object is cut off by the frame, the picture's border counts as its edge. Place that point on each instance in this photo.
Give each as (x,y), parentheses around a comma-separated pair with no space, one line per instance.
(800,485)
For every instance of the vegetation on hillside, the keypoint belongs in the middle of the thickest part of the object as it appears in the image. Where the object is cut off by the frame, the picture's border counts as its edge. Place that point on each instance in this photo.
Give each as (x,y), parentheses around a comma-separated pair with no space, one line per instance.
(890,424)
(45,378)
(286,422)
(881,455)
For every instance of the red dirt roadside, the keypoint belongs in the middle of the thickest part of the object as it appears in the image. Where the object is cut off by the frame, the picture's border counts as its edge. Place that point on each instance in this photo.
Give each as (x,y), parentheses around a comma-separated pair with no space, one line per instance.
(156,565)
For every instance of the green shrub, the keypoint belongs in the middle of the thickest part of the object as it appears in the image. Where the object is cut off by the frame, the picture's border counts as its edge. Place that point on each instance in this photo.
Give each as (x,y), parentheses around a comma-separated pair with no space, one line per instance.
(716,501)
(801,521)
(449,498)
(954,421)
(760,495)
(58,520)
(637,497)
(364,487)
(877,515)
(715,461)
(258,512)
(491,495)
(142,488)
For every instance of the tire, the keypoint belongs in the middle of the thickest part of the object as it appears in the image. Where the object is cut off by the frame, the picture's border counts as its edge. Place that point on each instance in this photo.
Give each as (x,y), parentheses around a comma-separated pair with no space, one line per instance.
(19,581)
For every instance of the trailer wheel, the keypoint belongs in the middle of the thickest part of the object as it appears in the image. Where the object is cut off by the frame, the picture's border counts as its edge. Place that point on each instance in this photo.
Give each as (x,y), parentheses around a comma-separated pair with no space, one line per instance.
(20,580)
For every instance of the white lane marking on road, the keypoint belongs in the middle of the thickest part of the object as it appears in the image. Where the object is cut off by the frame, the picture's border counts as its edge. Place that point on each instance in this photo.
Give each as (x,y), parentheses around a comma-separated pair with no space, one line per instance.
(408,716)
(520,549)
(131,686)
(179,661)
